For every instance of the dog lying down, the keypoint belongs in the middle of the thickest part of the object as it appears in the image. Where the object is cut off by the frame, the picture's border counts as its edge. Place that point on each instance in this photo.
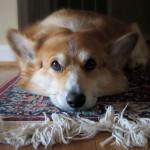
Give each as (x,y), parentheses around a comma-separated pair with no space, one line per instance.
(74,57)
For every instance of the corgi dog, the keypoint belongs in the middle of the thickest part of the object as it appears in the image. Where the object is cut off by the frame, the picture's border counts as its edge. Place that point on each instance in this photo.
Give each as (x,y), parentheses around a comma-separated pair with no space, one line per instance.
(75,56)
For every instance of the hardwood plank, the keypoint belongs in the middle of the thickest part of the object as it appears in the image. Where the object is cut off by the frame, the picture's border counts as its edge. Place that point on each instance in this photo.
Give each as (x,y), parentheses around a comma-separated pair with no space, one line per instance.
(8,64)
(92,144)
(7,73)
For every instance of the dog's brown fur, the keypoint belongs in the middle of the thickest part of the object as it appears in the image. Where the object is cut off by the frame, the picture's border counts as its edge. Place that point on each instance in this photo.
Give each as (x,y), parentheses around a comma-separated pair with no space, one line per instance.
(70,33)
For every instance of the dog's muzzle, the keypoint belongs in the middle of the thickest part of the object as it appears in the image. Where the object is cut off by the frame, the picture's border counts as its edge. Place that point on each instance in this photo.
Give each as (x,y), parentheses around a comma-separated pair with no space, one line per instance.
(76,100)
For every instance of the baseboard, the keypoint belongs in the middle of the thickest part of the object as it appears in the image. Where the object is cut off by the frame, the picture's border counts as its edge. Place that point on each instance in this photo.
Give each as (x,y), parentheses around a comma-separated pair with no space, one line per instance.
(8,64)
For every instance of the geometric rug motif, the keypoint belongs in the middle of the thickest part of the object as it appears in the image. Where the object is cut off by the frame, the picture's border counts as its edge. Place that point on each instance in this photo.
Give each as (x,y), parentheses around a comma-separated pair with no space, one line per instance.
(18,104)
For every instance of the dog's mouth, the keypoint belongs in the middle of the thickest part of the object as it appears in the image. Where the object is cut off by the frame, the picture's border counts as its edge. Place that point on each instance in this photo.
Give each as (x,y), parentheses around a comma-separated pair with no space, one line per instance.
(74,102)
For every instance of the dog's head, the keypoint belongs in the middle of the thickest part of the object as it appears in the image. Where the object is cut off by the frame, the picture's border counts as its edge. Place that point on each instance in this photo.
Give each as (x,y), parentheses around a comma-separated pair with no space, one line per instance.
(73,68)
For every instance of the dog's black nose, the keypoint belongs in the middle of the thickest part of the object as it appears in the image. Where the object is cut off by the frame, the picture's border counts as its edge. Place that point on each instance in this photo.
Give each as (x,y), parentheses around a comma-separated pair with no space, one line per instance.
(76,100)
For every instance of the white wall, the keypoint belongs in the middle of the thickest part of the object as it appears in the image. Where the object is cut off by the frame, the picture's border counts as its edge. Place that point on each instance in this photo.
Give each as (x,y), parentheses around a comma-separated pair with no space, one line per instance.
(6,54)
(8,19)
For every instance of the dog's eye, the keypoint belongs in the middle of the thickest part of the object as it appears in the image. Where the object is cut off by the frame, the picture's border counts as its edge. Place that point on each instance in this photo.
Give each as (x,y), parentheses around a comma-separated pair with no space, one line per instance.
(56,66)
(90,64)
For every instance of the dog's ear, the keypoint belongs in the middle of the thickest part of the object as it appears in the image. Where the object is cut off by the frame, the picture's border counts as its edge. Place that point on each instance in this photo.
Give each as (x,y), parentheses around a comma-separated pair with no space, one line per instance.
(122,48)
(21,45)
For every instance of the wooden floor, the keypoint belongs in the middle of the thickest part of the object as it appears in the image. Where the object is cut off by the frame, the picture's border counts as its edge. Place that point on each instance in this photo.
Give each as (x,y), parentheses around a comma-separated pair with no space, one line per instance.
(77,145)
(93,144)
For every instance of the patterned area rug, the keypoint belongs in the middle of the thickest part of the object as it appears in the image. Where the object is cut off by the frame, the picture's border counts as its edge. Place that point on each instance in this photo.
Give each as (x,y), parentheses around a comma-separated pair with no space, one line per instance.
(17,104)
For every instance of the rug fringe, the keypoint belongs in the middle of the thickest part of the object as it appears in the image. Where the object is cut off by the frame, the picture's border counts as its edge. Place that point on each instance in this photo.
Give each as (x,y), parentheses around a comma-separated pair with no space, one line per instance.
(64,129)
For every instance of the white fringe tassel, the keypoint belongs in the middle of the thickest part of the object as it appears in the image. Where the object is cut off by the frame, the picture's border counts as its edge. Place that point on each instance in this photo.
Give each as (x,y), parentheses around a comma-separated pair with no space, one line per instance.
(63,129)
